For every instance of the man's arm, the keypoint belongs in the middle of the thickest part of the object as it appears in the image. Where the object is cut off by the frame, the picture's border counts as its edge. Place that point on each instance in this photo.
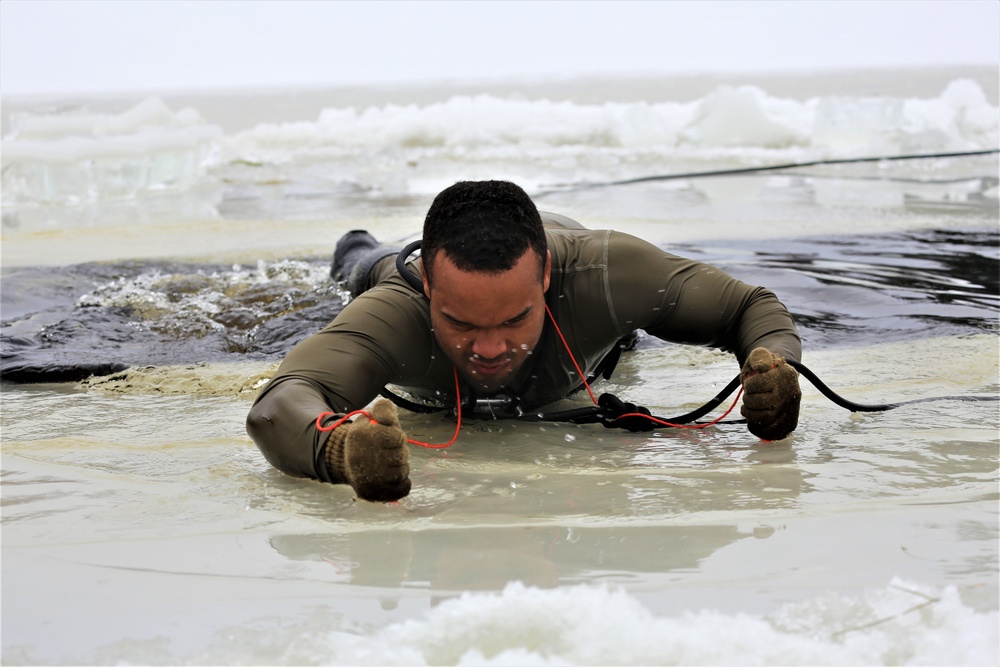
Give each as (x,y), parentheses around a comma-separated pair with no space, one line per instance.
(282,422)
(380,337)
(369,453)
(684,301)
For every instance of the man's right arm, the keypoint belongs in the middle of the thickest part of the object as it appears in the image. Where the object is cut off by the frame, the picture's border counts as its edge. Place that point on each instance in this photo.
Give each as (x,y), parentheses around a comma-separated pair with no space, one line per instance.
(370,454)
(339,369)
(283,425)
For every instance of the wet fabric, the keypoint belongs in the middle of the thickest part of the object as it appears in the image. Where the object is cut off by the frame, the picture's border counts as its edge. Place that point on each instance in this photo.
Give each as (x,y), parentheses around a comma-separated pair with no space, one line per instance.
(604,285)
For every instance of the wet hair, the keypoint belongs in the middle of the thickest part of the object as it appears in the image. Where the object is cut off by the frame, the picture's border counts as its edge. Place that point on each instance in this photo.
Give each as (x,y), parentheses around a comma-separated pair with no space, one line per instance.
(483,226)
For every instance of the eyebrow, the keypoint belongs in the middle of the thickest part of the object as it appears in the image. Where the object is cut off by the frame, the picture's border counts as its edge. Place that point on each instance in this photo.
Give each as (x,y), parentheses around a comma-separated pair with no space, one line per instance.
(517,318)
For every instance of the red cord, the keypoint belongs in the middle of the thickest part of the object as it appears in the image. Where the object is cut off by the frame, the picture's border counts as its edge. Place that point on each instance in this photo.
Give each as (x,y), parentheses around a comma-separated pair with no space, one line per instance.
(458,406)
(570,353)
(458,426)
(319,420)
(633,414)
(666,423)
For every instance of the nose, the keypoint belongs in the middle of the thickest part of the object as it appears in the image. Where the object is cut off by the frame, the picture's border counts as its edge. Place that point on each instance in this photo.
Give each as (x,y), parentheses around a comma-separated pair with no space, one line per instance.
(489,344)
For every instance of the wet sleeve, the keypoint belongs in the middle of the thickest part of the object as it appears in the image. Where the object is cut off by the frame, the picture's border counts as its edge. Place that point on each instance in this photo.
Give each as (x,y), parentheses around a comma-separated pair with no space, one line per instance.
(380,337)
(684,301)
(282,423)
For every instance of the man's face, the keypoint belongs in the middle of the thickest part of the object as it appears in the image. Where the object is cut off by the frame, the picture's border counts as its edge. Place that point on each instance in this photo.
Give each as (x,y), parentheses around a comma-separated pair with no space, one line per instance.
(488,324)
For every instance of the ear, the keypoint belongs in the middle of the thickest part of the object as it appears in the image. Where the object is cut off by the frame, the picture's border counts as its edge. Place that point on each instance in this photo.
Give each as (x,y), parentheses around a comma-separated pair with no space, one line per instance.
(423,277)
(547,271)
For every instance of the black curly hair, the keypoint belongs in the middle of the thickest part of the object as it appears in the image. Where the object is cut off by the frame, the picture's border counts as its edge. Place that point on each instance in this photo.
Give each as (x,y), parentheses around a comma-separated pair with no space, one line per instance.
(483,226)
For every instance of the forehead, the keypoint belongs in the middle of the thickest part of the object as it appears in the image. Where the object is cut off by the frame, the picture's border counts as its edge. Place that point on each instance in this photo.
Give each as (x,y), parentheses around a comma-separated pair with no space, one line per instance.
(481,298)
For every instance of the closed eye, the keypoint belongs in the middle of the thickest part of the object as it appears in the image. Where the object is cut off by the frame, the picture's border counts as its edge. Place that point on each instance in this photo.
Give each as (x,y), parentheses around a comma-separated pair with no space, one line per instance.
(518,319)
(468,326)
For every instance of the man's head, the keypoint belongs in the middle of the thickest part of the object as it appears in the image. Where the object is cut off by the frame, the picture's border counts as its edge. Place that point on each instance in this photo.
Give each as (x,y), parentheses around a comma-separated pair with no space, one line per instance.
(486,268)
(483,226)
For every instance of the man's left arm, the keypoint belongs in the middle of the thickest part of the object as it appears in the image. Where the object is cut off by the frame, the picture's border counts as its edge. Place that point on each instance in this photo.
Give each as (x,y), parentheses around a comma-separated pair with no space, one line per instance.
(685,301)
(771,393)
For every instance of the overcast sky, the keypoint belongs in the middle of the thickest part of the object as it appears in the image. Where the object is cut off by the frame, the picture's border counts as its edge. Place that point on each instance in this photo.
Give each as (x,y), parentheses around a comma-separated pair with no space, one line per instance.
(51,46)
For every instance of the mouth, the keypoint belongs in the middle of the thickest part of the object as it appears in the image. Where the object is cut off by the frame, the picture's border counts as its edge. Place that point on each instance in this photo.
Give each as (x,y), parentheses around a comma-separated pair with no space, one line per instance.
(488,368)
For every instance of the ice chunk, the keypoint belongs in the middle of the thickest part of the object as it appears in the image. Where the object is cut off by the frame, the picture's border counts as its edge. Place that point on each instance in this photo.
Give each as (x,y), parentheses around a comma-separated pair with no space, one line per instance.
(734,117)
(73,157)
(960,119)
(859,126)
(963,93)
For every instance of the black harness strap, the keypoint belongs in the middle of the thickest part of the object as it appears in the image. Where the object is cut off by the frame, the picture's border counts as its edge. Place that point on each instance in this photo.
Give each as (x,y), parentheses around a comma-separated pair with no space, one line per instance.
(407,404)
(408,276)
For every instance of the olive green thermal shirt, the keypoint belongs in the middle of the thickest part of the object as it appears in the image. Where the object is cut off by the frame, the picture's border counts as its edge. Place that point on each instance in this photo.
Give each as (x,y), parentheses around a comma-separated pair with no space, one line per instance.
(604,285)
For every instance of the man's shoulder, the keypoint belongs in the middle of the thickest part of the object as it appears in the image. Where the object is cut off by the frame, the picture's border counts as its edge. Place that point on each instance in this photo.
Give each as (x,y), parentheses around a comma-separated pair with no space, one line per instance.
(557,221)
(391,300)
(573,248)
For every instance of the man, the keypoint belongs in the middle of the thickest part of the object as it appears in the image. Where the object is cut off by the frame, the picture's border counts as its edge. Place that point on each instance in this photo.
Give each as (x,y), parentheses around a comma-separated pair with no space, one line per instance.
(507,302)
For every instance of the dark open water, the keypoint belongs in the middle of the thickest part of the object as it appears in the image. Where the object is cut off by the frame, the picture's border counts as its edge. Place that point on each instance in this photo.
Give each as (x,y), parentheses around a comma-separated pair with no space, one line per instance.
(63,324)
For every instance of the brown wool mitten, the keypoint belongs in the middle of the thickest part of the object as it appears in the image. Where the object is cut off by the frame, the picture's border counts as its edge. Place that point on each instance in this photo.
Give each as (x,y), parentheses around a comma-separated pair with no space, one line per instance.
(371,457)
(771,395)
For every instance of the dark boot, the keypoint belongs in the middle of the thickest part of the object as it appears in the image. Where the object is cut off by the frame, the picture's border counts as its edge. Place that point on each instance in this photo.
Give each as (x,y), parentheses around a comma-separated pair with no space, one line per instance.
(628,341)
(351,247)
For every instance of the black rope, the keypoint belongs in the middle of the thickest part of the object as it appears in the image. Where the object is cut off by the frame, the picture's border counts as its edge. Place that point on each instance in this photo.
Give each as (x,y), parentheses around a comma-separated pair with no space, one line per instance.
(773,167)
(708,407)
(878,407)
(816,382)
(834,396)
(610,407)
